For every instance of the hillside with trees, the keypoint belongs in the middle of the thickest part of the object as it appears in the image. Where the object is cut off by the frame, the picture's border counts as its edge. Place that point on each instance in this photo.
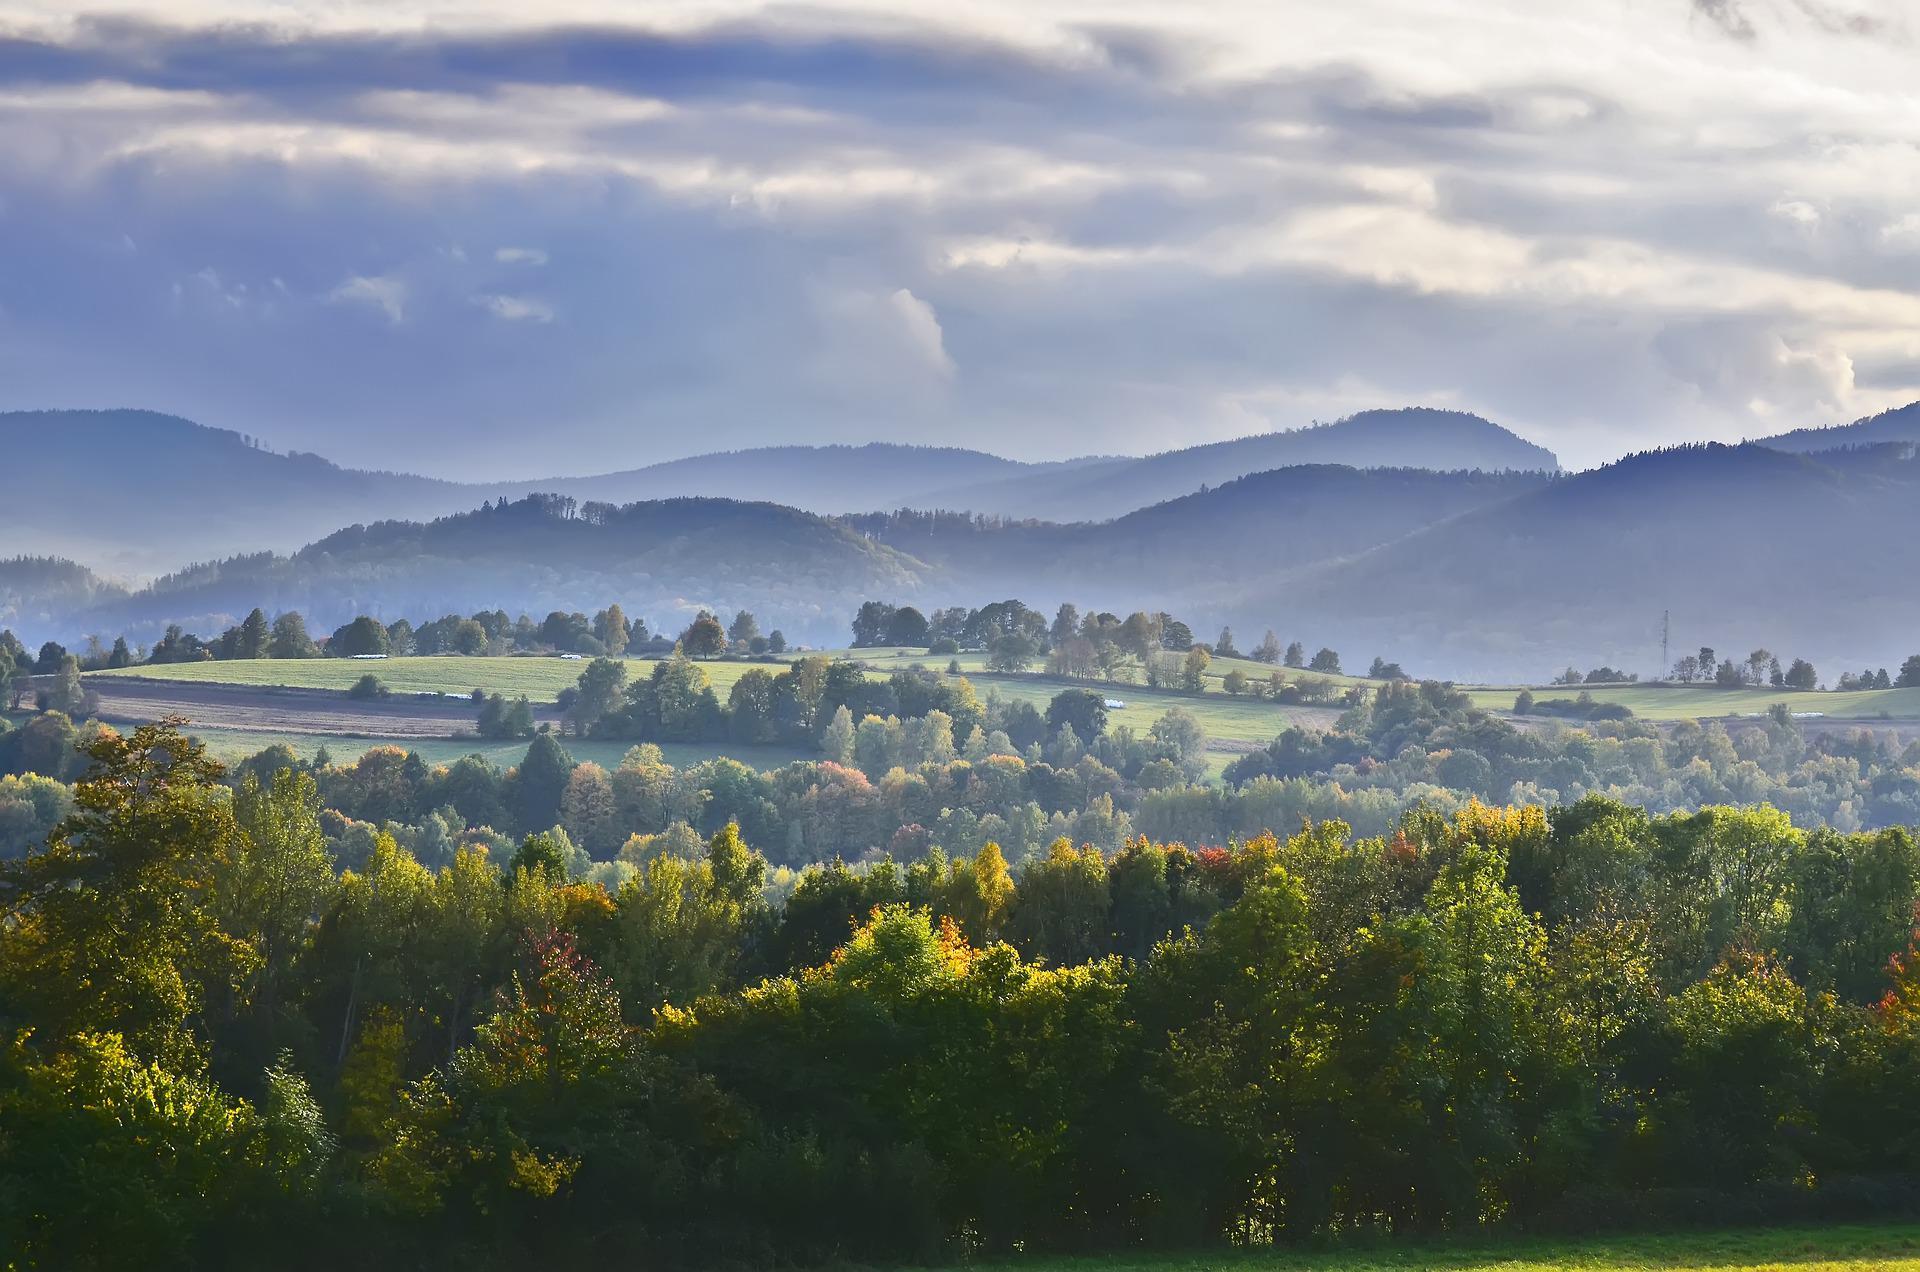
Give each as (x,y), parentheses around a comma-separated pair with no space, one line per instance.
(1811,553)
(667,559)
(1900,425)
(1412,437)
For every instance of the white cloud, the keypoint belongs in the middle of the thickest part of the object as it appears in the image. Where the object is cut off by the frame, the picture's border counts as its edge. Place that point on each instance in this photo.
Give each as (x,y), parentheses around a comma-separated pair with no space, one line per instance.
(388,295)
(1613,224)
(516,308)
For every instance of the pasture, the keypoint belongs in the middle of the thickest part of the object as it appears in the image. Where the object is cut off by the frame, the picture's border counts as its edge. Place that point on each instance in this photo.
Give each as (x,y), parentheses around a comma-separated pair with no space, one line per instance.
(231,745)
(1702,702)
(1829,1249)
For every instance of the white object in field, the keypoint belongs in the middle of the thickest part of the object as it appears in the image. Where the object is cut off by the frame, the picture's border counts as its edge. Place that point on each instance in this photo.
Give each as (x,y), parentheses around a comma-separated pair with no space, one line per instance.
(366,657)
(573,657)
(1114,704)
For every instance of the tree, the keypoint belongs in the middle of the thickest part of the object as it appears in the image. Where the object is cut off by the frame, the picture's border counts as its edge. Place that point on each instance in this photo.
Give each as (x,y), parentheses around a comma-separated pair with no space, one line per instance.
(776,641)
(539,783)
(871,623)
(1801,675)
(1326,660)
(1909,677)
(1193,670)
(837,741)
(362,636)
(611,629)
(112,927)
(704,637)
(276,888)
(68,694)
(1066,624)
(1082,710)
(1268,650)
(121,655)
(1223,646)
(600,688)
(1296,655)
(290,639)
(908,627)
(1010,652)
(254,635)
(743,629)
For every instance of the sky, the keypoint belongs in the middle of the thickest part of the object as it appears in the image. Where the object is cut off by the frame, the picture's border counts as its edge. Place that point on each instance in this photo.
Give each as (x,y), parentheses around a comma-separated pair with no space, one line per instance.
(487,240)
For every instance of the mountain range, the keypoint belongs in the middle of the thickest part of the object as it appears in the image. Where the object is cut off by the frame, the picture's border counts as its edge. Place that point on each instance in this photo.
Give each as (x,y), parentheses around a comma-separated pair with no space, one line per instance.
(1483,570)
(133,493)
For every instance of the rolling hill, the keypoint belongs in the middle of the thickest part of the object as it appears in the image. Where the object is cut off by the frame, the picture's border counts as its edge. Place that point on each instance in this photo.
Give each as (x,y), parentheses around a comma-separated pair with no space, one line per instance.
(1414,437)
(822,479)
(1264,524)
(1746,546)
(35,591)
(132,492)
(661,560)
(1902,424)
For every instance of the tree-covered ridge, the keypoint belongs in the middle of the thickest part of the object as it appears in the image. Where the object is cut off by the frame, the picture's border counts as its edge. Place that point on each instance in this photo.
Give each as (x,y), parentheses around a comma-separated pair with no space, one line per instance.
(542,552)
(225,1050)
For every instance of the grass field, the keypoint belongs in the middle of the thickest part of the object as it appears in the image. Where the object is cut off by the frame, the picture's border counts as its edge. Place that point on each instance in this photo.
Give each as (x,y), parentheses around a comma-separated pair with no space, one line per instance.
(230,745)
(1229,719)
(1236,721)
(1696,702)
(1800,1249)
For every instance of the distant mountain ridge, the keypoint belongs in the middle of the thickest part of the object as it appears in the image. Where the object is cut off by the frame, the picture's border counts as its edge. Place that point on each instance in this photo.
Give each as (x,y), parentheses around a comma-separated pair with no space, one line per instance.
(662,560)
(1901,424)
(1407,438)
(136,492)
(1807,555)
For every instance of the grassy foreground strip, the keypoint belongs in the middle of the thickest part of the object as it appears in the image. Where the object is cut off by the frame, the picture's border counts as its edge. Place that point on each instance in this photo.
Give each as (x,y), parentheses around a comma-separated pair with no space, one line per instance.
(1800,1249)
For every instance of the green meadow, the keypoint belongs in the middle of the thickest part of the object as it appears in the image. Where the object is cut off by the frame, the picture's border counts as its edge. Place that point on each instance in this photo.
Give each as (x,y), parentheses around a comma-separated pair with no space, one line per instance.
(1828,1249)
(231,745)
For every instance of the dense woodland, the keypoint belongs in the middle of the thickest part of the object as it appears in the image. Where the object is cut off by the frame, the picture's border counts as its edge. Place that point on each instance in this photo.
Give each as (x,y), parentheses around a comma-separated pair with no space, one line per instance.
(228,1045)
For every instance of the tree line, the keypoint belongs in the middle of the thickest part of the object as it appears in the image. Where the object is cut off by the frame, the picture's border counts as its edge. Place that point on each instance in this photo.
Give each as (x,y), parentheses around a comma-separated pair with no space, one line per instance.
(225,1048)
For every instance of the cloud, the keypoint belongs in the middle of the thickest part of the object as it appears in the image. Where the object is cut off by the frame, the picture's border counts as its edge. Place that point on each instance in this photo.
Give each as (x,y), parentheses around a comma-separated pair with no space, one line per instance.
(516,308)
(388,295)
(1045,232)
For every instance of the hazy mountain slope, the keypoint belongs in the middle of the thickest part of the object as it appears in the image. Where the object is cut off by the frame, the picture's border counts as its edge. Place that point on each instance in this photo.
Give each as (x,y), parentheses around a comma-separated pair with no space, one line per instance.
(661,560)
(1746,546)
(33,590)
(1289,518)
(135,491)
(1902,424)
(1414,437)
(824,479)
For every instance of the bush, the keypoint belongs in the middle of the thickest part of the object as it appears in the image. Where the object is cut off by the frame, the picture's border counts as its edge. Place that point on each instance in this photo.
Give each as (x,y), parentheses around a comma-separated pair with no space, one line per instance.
(369,688)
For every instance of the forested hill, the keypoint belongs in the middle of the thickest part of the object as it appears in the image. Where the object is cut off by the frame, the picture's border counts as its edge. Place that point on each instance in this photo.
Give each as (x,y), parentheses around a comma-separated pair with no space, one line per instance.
(1743,544)
(1902,424)
(1414,437)
(139,491)
(136,492)
(663,560)
(1263,525)
(34,591)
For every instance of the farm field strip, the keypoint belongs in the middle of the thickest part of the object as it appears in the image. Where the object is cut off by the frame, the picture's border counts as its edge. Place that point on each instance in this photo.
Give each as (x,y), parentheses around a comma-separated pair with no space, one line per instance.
(230,745)
(1239,722)
(1703,702)
(1895,1248)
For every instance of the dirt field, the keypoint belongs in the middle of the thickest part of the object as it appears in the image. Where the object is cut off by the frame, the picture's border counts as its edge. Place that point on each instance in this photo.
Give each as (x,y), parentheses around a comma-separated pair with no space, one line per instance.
(125,700)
